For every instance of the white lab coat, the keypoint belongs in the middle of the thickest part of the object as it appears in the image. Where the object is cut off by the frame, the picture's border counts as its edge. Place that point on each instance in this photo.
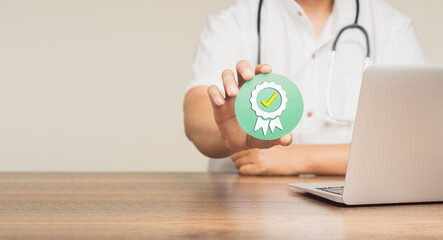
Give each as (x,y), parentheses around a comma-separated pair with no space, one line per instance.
(289,44)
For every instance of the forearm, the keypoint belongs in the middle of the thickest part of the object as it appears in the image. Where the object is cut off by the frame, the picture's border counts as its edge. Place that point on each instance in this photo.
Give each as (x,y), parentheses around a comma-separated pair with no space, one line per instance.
(200,126)
(324,159)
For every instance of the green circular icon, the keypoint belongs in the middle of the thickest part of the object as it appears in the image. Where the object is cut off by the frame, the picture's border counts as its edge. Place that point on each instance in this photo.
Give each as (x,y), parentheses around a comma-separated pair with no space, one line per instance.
(268,93)
(269,106)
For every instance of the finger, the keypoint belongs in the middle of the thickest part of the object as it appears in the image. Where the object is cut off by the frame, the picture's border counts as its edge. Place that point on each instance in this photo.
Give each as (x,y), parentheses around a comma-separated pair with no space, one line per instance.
(249,169)
(238,155)
(253,142)
(244,72)
(263,68)
(245,160)
(215,96)
(229,83)
(286,140)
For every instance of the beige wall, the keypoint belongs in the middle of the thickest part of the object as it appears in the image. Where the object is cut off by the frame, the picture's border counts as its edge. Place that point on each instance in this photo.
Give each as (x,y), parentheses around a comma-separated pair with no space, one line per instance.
(98,85)
(428,19)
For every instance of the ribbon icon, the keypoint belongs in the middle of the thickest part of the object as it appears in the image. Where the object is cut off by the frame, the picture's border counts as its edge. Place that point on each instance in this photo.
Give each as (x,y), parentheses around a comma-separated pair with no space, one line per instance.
(268,119)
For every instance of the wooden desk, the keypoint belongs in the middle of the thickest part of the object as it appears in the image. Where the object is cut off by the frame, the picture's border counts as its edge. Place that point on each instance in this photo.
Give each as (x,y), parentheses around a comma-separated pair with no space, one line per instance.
(194,206)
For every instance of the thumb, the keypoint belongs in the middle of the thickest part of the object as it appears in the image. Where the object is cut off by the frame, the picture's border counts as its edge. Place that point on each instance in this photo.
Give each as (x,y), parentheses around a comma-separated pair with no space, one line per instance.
(253,142)
(286,140)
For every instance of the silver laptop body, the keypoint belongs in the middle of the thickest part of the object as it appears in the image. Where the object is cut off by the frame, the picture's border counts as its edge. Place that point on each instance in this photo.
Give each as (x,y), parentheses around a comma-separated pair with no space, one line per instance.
(397,146)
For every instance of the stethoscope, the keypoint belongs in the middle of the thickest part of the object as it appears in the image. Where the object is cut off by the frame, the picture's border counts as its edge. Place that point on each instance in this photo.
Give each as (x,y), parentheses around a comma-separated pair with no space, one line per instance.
(331,116)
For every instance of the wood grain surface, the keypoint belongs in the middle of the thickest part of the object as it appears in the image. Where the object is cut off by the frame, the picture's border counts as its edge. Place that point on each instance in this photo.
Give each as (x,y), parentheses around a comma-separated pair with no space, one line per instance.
(194,206)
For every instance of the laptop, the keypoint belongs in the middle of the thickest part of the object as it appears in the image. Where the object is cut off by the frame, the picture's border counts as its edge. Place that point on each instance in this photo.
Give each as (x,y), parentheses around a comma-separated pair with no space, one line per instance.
(397,146)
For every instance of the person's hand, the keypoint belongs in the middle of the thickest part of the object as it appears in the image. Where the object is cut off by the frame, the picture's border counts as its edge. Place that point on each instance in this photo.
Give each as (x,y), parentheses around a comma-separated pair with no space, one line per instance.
(278,160)
(235,138)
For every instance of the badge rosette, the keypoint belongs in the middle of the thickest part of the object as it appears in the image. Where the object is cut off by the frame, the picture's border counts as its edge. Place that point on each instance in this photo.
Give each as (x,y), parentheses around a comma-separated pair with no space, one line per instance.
(268,119)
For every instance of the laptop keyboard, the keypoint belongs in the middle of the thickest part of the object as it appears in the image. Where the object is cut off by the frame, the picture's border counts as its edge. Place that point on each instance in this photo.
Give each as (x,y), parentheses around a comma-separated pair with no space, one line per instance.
(335,190)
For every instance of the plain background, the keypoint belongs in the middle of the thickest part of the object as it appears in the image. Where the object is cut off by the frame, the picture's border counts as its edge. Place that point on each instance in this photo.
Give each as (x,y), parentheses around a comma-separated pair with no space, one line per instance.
(95,85)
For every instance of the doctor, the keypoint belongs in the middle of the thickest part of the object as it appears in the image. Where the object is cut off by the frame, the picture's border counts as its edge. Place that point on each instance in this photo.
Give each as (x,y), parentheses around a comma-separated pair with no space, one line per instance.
(295,39)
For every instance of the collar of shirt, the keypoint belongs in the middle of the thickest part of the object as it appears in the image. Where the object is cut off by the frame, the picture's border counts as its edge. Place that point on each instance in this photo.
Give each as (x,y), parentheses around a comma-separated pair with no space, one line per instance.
(343,14)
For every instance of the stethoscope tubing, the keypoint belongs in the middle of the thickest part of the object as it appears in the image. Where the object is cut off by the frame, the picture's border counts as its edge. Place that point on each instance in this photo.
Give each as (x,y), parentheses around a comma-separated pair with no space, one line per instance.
(331,117)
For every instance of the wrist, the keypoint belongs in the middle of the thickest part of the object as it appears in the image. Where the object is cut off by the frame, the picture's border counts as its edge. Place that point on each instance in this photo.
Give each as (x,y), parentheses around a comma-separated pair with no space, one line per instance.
(222,145)
(211,145)
(301,159)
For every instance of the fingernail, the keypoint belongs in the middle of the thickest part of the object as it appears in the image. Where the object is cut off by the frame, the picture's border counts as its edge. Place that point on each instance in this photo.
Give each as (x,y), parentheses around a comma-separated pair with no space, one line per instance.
(219,101)
(286,139)
(232,90)
(249,73)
